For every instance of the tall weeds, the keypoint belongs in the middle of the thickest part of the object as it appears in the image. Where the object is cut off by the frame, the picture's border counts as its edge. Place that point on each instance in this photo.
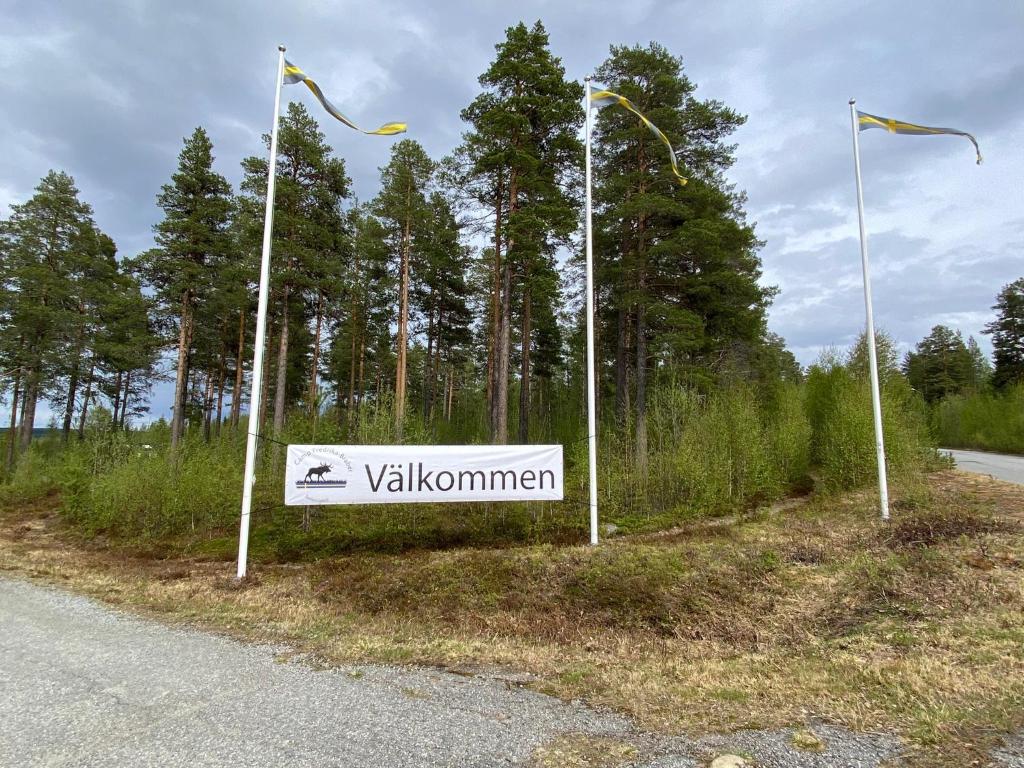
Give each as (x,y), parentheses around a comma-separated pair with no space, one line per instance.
(711,451)
(984,420)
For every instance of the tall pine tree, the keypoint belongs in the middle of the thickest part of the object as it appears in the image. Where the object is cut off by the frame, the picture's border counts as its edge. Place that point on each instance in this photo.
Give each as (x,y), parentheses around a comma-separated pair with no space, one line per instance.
(520,159)
(191,240)
(402,207)
(677,265)
(50,248)
(1007,332)
(309,246)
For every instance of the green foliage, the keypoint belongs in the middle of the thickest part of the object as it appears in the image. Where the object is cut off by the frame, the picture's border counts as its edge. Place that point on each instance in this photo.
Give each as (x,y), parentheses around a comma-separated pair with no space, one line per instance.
(840,412)
(60,291)
(146,496)
(942,365)
(712,452)
(985,420)
(709,453)
(1008,335)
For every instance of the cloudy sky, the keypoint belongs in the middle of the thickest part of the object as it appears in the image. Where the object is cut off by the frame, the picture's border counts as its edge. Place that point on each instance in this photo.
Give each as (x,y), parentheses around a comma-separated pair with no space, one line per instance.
(107,89)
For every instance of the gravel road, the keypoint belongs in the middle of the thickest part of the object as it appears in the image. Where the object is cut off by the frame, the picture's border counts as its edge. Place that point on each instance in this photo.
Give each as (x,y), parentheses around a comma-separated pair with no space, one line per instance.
(84,685)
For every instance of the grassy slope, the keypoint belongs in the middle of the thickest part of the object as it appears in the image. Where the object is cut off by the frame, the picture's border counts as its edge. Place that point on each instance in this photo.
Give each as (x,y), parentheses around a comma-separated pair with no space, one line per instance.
(820,610)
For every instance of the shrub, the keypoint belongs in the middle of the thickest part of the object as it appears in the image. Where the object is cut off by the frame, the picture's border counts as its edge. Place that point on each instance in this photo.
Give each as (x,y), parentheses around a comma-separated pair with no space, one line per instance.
(983,420)
(843,438)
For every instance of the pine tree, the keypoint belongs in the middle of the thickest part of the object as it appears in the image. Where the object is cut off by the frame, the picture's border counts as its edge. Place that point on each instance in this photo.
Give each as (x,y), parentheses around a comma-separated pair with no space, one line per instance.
(191,240)
(93,279)
(886,357)
(122,361)
(439,290)
(1007,332)
(369,294)
(677,265)
(520,160)
(940,365)
(308,248)
(402,207)
(981,368)
(49,243)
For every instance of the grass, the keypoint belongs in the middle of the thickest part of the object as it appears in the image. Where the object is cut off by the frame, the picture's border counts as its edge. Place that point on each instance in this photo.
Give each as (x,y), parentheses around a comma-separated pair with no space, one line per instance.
(817,610)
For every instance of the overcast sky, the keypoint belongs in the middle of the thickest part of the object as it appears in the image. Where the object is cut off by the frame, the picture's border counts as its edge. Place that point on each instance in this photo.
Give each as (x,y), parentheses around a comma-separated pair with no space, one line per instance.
(107,89)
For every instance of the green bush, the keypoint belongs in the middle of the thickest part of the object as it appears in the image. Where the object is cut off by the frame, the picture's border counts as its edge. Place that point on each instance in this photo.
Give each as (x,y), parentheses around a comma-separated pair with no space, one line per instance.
(843,436)
(983,420)
(710,451)
(148,495)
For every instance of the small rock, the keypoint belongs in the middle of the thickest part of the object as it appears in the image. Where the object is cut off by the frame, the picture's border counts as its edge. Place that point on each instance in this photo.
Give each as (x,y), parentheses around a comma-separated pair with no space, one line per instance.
(728,761)
(807,740)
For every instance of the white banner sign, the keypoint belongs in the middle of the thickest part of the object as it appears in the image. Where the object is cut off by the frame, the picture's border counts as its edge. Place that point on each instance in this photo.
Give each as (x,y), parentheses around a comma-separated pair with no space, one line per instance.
(398,474)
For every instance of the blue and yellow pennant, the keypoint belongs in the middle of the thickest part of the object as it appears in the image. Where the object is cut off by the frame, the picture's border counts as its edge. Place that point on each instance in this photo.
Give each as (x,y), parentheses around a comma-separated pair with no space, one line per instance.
(293,74)
(606,98)
(866,121)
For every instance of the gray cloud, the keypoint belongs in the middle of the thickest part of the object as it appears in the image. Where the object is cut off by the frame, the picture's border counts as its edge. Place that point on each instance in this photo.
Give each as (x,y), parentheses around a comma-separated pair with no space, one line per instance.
(108,90)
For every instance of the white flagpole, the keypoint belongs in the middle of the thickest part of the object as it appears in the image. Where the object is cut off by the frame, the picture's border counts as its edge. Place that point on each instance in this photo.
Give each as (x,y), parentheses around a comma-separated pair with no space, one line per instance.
(876,400)
(249,478)
(591,413)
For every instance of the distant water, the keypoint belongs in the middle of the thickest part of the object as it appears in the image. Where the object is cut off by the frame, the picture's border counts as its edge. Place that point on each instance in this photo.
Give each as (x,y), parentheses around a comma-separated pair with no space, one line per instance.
(37,432)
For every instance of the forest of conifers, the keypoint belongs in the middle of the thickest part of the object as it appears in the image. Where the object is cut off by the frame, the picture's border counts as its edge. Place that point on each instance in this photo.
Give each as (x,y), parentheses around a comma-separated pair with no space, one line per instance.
(454,294)
(448,308)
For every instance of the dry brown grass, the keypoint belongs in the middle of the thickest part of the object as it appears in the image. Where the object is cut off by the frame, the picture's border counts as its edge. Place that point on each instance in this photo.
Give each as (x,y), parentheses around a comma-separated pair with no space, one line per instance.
(916,627)
(581,750)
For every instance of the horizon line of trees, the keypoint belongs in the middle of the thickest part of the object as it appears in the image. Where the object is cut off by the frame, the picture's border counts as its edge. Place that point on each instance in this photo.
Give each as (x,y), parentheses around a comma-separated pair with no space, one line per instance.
(451,298)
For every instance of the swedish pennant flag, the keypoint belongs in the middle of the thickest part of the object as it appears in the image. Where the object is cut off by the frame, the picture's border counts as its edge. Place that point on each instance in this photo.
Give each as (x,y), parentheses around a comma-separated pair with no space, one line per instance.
(605,98)
(866,121)
(292,75)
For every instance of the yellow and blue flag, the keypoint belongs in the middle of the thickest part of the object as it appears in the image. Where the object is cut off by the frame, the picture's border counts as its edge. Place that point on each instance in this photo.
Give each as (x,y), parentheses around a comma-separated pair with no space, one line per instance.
(866,121)
(293,74)
(605,98)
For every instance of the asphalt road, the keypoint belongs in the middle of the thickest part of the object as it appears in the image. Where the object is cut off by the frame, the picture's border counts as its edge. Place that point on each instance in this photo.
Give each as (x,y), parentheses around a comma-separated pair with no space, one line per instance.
(86,686)
(1002,466)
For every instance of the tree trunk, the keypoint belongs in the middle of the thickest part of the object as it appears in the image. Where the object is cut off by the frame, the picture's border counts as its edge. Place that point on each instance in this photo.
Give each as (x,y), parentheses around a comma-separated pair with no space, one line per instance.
(313,409)
(435,369)
(21,414)
(428,364)
(207,407)
(492,345)
(524,369)
(181,375)
(403,319)
(641,388)
(282,372)
(87,400)
(504,343)
(117,397)
(362,368)
(505,337)
(28,408)
(641,332)
(451,391)
(69,409)
(350,404)
(265,387)
(124,400)
(621,363)
(236,395)
(11,434)
(221,376)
